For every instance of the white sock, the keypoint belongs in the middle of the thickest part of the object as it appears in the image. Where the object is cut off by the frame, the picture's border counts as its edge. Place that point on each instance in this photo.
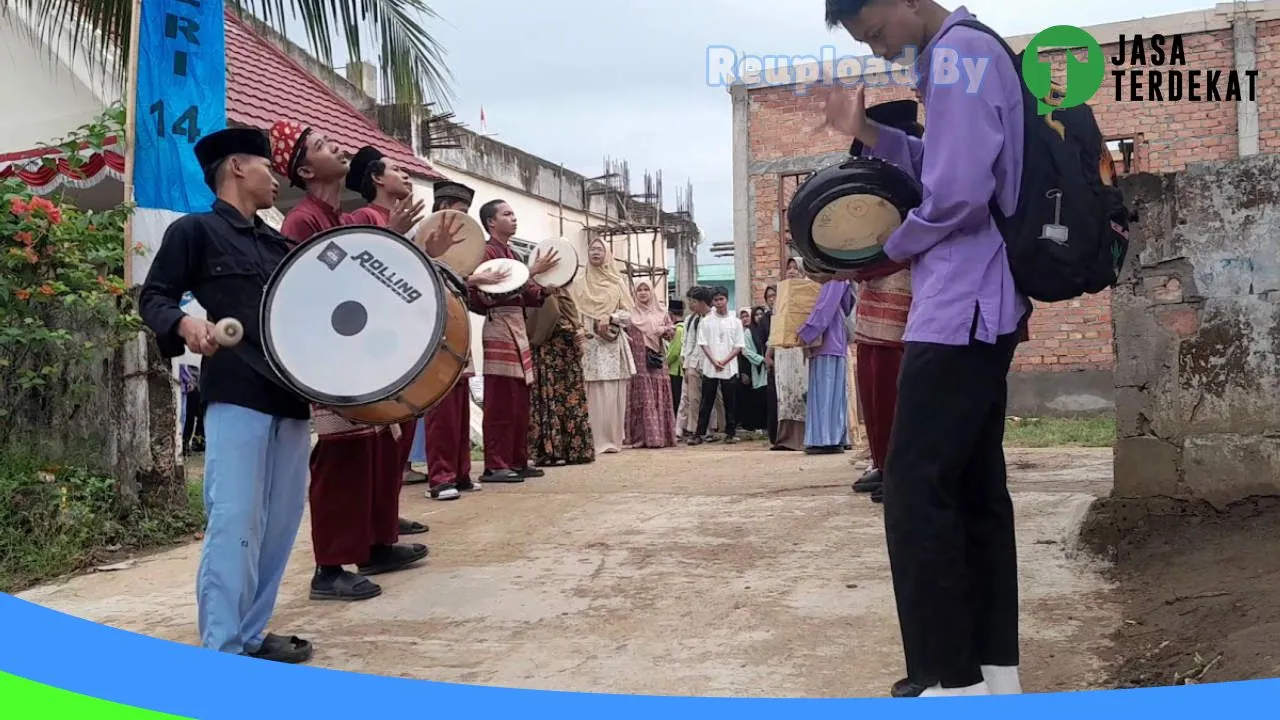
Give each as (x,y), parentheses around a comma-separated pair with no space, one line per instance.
(939,691)
(1002,680)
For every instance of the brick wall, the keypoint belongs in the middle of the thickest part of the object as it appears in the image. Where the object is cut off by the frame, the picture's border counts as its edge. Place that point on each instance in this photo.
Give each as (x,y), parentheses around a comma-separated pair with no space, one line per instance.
(1074,335)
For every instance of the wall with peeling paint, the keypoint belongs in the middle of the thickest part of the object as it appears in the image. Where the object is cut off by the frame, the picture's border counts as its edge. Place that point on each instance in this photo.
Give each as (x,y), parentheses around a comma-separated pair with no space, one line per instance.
(1197,328)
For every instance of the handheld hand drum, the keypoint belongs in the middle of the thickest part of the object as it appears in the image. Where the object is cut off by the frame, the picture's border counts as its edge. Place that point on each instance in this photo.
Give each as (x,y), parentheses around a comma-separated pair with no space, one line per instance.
(841,217)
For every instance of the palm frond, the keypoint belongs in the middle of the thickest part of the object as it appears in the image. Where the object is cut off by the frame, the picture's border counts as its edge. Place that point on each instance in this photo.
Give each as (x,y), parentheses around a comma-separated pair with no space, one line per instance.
(410,63)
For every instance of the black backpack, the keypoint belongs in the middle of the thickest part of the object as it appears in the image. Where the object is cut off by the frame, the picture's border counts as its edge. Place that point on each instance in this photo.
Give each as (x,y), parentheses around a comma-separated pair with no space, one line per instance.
(1069,234)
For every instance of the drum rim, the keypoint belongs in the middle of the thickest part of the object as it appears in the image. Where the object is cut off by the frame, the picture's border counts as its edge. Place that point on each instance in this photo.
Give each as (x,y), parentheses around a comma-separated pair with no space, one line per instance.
(268,344)
(802,232)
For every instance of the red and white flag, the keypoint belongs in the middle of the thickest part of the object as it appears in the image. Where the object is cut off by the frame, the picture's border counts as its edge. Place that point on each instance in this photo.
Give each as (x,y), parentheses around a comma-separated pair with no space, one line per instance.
(483,125)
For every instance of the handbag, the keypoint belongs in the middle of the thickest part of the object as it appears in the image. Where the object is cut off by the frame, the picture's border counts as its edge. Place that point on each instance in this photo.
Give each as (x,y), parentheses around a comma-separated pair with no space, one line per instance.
(654,359)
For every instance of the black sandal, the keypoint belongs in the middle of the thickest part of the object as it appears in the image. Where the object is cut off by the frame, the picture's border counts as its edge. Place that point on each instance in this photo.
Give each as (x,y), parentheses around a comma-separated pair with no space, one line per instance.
(291,650)
(409,527)
(396,557)
(346,587)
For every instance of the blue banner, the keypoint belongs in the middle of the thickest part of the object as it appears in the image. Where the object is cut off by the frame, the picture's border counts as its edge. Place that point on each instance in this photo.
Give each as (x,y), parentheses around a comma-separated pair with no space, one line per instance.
(182,96)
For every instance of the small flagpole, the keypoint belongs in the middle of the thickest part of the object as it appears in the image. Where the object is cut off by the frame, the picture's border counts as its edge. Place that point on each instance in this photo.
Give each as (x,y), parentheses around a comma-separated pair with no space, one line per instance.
(131,132)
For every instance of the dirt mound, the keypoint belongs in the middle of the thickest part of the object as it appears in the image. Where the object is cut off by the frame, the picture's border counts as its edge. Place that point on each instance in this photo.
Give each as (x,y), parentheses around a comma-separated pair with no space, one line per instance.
(1200,593)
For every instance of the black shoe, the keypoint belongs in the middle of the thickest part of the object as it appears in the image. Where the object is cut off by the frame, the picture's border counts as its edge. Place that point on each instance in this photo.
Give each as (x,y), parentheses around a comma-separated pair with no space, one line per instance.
(530,471)
(906,688)
(389,558)
(410,527)
(335,583)
(870,481)
(465,484)
(877,495)
(501,476)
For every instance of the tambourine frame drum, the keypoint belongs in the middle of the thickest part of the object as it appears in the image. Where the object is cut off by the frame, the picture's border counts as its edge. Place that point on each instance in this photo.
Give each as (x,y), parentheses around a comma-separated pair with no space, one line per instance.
(468,252)
(308,334)
(567,267)
(863,195)
(518,271)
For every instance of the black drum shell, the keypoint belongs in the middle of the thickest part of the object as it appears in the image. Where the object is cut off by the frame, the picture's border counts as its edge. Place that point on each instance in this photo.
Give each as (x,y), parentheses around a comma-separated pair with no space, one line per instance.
(853,176)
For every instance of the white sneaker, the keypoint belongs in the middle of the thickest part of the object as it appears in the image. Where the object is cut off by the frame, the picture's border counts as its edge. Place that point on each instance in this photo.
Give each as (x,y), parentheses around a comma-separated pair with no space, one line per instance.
(446,494)
(973,690)
(1002,680)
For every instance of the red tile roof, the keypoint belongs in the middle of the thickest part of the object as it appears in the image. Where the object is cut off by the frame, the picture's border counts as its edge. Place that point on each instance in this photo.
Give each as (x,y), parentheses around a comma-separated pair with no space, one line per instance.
(264,85)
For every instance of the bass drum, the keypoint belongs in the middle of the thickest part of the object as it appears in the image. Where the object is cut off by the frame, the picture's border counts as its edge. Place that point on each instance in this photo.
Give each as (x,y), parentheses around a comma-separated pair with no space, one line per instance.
(841,217)
(358,319)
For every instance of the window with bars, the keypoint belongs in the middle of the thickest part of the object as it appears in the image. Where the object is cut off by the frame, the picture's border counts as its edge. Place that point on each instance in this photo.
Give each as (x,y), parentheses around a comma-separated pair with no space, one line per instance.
(788,183)
(1123,155)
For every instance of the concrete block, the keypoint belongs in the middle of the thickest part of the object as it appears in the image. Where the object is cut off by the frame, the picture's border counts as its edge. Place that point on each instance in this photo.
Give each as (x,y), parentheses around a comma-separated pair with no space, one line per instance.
(1146,467)
(1228,370)
(1133,412)
(1224,469)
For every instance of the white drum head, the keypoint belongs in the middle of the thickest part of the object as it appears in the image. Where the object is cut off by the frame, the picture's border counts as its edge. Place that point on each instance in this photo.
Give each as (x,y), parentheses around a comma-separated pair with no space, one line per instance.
(468,248)
(517,276)
(352,316)
(566,268)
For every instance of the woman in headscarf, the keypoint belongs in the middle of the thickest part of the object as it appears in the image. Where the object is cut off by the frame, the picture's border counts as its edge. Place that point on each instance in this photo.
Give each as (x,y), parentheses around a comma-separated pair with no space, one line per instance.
(604,304)
(559,427)
(791,371)
(753,375)
(651,419)
(760,334)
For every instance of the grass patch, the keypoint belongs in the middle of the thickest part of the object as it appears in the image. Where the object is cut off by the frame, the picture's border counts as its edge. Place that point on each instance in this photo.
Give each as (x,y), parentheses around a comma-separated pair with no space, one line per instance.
(60,520)
(1098,431)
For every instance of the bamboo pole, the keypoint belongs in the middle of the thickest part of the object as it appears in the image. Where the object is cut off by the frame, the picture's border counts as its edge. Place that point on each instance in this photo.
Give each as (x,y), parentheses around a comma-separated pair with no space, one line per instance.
(133,429)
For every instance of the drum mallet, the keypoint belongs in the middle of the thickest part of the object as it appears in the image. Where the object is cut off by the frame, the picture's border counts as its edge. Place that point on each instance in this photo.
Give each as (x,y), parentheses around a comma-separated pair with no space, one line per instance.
(228,332)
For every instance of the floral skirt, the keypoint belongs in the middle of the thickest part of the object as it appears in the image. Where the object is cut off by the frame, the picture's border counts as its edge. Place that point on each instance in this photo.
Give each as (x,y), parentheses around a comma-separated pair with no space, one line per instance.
(559,429)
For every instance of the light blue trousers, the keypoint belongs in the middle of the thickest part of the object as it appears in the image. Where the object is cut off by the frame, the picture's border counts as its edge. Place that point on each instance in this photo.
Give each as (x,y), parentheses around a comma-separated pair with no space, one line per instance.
(255,489)
(418,453)
(826,422)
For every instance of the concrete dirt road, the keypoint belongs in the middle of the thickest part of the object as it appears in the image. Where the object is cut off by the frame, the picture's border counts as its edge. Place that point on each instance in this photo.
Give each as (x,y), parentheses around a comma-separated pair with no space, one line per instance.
(706,571)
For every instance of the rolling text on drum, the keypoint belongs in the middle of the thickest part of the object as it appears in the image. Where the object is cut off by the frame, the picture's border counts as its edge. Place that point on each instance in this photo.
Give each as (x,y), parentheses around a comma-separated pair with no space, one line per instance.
(385,275)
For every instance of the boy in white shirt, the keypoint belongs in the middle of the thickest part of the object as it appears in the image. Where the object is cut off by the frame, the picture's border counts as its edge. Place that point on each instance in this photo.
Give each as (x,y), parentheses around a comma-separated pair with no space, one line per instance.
(721,340)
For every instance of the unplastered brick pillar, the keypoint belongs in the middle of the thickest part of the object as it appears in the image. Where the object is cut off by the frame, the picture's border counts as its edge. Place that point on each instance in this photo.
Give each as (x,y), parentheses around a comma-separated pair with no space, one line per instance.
(1197,326)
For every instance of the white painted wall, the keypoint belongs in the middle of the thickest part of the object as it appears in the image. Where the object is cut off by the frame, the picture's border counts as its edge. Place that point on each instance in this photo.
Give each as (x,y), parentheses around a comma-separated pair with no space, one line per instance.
(47,96)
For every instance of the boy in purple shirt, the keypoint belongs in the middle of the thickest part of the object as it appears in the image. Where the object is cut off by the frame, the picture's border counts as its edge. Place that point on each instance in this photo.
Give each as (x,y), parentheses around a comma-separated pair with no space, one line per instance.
(948,515)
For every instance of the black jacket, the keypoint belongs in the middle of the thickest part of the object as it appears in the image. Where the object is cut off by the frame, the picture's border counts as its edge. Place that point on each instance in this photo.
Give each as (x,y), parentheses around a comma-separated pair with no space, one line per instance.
(225,261)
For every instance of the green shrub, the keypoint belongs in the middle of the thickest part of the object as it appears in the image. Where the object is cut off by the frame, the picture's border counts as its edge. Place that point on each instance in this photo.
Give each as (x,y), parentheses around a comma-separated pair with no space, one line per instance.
(59,520)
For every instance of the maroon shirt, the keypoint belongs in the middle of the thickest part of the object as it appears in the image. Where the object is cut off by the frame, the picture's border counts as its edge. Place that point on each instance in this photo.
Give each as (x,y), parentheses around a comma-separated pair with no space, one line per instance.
(308,218)
(368,215)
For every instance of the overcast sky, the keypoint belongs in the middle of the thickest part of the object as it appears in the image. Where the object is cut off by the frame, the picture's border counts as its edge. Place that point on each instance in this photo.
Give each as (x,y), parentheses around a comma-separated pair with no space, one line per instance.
(575,80)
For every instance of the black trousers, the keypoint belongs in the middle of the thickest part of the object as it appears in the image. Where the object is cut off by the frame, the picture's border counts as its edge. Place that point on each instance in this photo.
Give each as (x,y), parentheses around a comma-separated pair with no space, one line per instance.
(948,514)
(677,386)
(729,393)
